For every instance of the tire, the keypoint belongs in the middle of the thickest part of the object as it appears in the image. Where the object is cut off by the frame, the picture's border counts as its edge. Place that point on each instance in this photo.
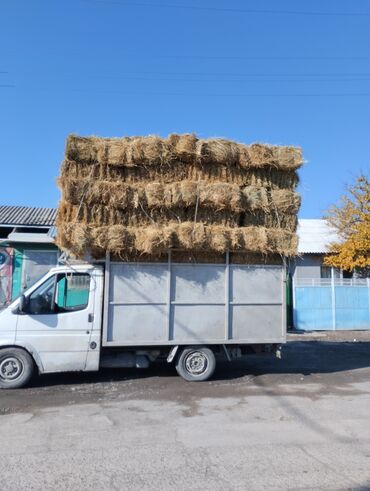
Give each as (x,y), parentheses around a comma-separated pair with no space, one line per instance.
(196,363)
(16,368)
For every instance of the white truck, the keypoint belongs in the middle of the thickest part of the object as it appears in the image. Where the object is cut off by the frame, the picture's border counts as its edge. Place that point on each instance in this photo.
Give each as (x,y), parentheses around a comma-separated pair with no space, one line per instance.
(82,317)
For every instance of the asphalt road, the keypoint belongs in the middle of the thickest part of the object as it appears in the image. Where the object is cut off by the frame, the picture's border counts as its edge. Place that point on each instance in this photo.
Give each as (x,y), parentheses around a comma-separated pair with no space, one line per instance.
(302,422)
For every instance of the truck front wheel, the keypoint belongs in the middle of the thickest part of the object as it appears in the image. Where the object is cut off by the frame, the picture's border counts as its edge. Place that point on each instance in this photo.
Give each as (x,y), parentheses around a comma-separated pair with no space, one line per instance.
(16,368)
(196,364)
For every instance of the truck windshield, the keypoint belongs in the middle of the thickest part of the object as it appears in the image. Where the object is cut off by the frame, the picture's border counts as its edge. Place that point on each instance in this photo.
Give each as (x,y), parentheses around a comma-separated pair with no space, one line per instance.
(41,300)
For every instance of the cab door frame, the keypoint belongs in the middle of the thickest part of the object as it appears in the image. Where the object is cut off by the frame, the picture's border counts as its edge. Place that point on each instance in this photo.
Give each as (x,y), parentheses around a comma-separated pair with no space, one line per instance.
(63,340)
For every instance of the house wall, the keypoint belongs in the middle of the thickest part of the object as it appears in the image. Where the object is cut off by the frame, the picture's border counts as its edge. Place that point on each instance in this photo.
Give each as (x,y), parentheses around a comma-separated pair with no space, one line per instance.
(18,264)
(6,268)
(307,266)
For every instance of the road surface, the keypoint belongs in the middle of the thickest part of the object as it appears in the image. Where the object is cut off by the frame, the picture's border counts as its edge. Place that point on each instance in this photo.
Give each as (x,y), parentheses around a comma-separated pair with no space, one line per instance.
(302,422)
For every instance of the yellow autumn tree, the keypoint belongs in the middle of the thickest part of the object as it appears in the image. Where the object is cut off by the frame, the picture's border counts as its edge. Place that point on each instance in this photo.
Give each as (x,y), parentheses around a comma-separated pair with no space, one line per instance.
(351,220)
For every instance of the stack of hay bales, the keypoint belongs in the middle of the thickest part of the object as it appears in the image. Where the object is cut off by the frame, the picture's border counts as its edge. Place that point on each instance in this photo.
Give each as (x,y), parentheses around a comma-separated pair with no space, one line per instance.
(145,195)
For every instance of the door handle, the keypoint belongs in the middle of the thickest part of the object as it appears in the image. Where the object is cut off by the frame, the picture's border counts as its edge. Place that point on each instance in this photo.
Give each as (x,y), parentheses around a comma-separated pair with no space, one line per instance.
(90,318)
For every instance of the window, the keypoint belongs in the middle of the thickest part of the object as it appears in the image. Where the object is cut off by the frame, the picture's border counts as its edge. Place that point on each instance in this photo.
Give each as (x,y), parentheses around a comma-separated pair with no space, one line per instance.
(325,272)
(72,291)
(337,273)
(41,300)
(61,293)
(329,272)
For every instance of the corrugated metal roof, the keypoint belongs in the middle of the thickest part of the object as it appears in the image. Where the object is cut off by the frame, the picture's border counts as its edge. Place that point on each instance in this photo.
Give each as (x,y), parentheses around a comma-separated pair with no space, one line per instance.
(25,215)
(315,236)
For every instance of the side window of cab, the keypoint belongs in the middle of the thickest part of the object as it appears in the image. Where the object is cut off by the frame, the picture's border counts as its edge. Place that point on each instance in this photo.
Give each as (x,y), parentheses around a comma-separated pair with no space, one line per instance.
(72,292)
(65,292)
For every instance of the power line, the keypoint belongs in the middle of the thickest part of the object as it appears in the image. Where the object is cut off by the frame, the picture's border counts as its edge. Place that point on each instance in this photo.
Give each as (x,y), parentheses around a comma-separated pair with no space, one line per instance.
(297,76)
(147,55)
(231,10)
(226,80)
(205,76)
(194,94)
(261,74)
(257,58)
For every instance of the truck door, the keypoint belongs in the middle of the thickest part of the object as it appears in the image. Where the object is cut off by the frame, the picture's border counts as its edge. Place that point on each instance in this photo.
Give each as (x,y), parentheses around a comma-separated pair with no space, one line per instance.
(58,320)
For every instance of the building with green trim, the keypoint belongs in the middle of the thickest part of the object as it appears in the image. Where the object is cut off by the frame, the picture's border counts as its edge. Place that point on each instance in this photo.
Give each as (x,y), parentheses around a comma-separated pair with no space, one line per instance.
(27,248)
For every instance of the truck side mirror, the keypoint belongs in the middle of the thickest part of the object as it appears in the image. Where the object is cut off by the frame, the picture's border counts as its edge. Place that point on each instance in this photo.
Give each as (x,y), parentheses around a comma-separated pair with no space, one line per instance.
(23,304)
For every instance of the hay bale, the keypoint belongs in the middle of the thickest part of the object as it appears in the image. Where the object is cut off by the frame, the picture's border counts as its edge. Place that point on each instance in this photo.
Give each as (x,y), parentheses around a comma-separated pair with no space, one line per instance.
(150,150)
(183,147)
(217,196)
(99,215)
(270,220)
(154,151)
(220,196)
(186,236)
(151,239)
(82,149)
(261,155)
(282,242)
(95,214)
(285,201)
(255,198)
(217,151)
(263,177)
(145,195)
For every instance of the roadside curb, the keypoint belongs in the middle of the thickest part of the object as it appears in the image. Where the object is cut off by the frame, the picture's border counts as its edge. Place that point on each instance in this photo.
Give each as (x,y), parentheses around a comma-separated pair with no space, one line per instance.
(329,336)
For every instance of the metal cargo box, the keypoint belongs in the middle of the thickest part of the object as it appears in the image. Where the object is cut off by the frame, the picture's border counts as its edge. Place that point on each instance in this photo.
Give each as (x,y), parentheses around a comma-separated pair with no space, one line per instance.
(176,303)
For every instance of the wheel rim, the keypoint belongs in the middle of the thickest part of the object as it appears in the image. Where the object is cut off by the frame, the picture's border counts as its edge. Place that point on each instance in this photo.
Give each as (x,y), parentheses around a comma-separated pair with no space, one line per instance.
(196,363)
(11,368)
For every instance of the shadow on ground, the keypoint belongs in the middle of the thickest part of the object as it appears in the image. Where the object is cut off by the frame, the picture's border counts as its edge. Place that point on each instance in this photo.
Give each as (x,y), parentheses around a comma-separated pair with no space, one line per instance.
(304,358)
(310,369)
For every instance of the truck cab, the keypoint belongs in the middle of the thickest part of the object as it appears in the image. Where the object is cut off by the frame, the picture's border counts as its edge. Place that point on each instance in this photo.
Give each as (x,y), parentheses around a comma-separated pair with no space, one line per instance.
(55,325)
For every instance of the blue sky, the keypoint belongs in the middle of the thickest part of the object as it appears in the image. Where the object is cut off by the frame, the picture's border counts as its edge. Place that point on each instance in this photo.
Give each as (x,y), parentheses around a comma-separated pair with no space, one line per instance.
(284,72)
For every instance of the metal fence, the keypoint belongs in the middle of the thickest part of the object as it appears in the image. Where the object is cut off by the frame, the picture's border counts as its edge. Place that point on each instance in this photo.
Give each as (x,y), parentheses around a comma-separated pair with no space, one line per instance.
(330,304)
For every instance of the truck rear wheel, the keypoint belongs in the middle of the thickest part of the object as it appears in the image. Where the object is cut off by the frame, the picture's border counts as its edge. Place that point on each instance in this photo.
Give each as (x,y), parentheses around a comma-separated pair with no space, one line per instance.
(196,364)
(16,368)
